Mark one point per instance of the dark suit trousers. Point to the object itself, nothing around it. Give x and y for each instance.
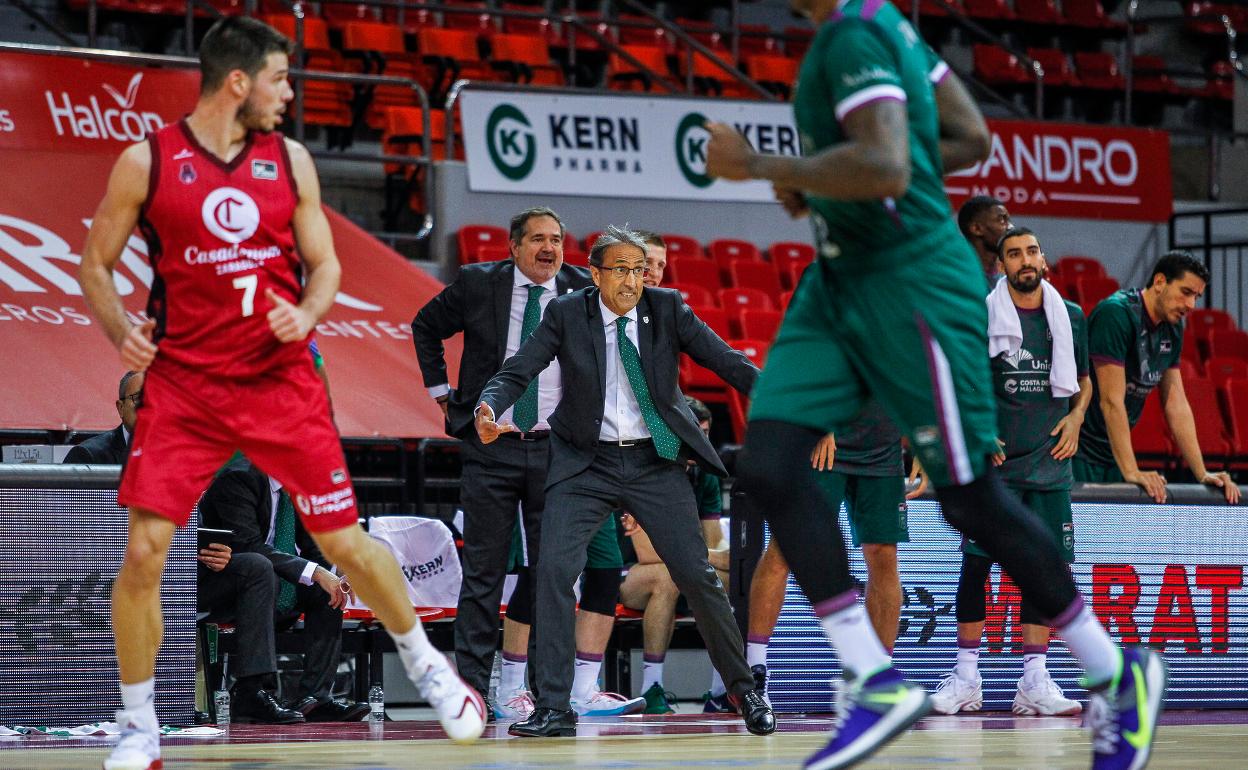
(322, 631)
(245, 593)
(660, 497)
(497, 480)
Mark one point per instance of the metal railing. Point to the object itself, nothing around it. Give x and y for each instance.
(1223, 256)
(1128, 51)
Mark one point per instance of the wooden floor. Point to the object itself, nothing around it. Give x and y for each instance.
(1189, 740)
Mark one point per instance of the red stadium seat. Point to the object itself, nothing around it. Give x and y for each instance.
(1202, 321)
(1089, 290)
(1231, 343)
(1072, 268)
(1222, 368)
(774, 72)
(524, 59)
(756, 275)
(797, 41)
(732, 249)
(715, 318)
(324, 103)
(590, 239)
(1037, 11)
(378, 49)
(1087, 13)
(1190, 369)
(784, 252)
(730, 299)
(695, 294)
(492, 254)
(623, 75)
(414, 19)
(1210, 428)
(759, 324)
(757, 40)
(1234, 400)
(472, 237)
(681, 246)
(755, 350)
(701, 272)
(474, 17)
(993, 64)
(1150, 75)
(1099, 70)
(1150, 437)
(1057, 68)
(988, 9)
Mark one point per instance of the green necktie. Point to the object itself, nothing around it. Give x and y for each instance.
(666, 442)
(524, 413)
(284, 541)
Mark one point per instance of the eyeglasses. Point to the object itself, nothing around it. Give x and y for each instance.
(135, 399)
(621, 272)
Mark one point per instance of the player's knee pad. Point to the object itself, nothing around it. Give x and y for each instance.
(520, 605)
(600, 590)
(1031, 616)
(971, 598)
(977, 508)
(772, 451)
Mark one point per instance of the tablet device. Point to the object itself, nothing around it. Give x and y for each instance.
(206, 535)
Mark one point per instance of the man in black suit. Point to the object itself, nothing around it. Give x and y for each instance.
(620, 438)
(260, 580)
(111, 448)
(495, 305)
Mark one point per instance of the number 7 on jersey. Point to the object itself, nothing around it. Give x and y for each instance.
(248, 284)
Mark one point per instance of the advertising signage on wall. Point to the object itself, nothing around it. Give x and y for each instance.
(641, 147)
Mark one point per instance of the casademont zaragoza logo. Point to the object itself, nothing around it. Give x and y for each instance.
(511, 142)
(691, 140)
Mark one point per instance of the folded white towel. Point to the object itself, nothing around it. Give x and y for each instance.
(1005, 334)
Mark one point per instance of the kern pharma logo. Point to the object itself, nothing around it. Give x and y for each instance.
(691, 140)
(511, 142)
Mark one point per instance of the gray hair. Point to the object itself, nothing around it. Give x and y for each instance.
(520, 222)
(615, 236)
(125, 379)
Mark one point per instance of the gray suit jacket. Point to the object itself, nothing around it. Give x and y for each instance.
(477, 303)
(572, 331)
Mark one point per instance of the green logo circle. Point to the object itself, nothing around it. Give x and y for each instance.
(691, 140)
(502, 138)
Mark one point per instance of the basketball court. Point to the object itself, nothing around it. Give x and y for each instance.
(1191, 740)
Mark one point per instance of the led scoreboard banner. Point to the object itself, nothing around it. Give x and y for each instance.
(62, 537)
(1170, 576)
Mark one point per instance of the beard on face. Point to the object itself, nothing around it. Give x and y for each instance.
(250, 117)
(1027, 284)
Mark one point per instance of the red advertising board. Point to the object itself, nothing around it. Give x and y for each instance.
(1068, 170)
(62, 123)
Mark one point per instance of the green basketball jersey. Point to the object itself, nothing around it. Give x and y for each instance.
(867, 52)
(869, 446)
(1026, 409)
(1121, 332)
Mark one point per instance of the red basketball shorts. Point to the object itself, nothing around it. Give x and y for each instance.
(191, 423)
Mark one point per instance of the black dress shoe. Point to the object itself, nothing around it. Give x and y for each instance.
(336, 710)
(261, 708)
(489, 709)
(546, 723)
(757, 713)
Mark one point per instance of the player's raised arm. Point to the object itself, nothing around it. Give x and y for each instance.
(873, 163)
(114, 220)
(316, 245)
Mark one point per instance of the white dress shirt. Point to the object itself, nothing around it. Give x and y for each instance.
(550, 381)
(275, 497)
(621, 414)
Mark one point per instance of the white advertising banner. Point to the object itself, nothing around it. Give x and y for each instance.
(612, 146)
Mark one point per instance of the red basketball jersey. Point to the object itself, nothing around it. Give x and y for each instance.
(219, 234)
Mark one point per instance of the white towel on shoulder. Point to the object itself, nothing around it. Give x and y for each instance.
(1005, 334)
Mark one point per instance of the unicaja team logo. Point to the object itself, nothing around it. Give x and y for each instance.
(511, 142)
(691, 140)
(230, 214)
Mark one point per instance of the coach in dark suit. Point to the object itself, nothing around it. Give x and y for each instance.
(269, 573)
(112, 448)
(496, 305)
(620, 438)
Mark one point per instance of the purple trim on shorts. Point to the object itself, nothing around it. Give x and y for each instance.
(1035, 649)
(588, 657)
(710, 516)
(968, 644)
(938, 400)
(836, 603)
(870, 8)
(758, 638)
(1098, 358)
(651, 657)
(1069, 614)
(514, 658)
